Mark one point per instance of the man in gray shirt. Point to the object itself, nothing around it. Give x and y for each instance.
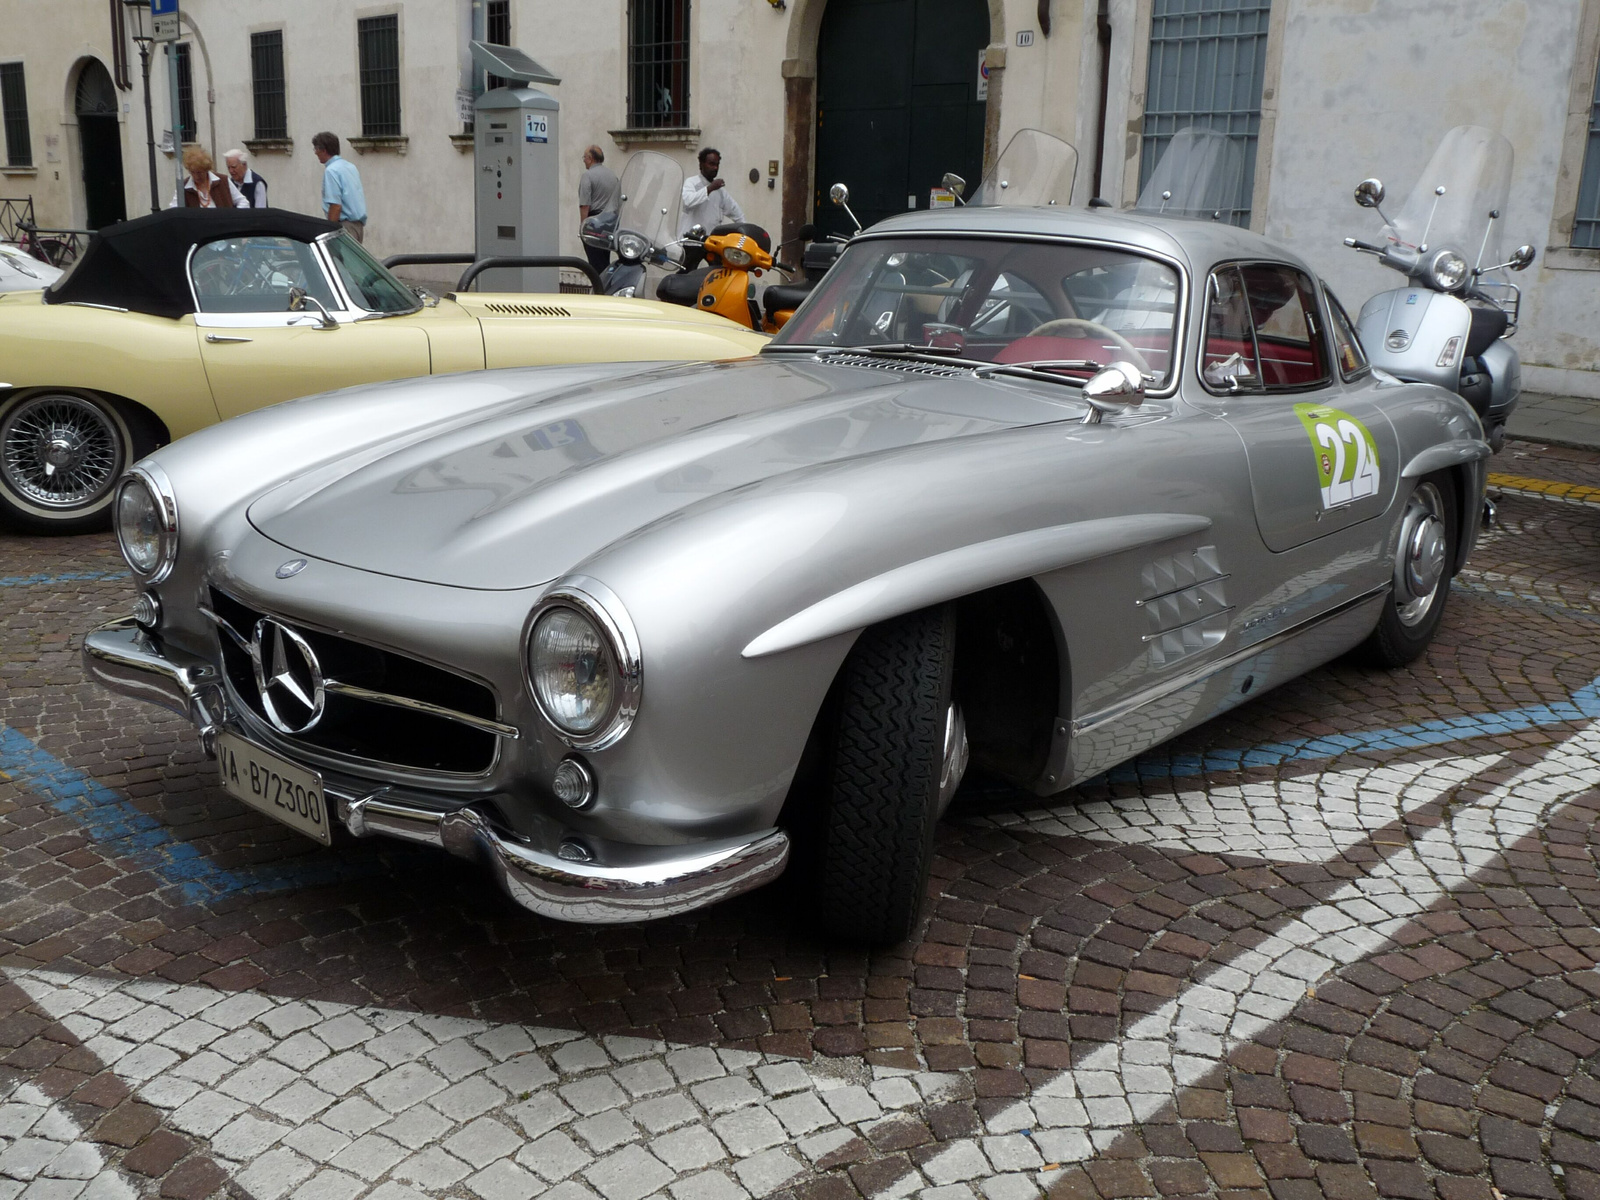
(598, 192)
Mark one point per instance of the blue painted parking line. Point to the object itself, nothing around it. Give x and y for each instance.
(67, 577)
(120, 829)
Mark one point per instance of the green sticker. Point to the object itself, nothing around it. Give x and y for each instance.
(1346, 456)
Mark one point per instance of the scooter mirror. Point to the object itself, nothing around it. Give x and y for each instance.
(1521, 258)
(952, 182)
(697, 231)
(839, 194)
(1370, 193)
(806, 232)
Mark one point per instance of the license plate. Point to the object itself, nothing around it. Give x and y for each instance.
(274, 785)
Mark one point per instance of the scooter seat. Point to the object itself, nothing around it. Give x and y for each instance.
(683, 288)
(781, 297)
(1488, 323)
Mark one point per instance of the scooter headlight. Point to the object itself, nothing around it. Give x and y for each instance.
(626, 293)
(631, 247)
(1447, 271)
(735, 257)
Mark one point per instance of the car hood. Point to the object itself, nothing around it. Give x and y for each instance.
(517, 495)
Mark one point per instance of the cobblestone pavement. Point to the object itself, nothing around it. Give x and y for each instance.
(1342, 942)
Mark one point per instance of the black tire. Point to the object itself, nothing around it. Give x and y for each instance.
(1412, 614)
(880, 806)
(97, 439)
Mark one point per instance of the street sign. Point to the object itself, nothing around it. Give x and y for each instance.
(164, 20)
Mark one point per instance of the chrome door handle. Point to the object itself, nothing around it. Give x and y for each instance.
(224, 337)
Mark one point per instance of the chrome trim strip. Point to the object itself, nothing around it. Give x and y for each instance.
(482, 724)
(1186, 587)
(90, 304)
(617, 884)
(1203, 671)
(1150, 637)
(221, 623)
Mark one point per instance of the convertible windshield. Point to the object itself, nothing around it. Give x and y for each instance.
(1065, 306)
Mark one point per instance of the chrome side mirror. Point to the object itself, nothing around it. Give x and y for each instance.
(840, 195)
(1370, 193)
(1112, 389)
(1521, 258)
(951, 182)
(298, 300)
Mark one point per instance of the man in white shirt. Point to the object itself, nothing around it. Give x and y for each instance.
(706, 201)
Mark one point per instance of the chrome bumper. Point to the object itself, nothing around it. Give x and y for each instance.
(583, 881)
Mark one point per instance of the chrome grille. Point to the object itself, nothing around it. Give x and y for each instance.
(379, 707)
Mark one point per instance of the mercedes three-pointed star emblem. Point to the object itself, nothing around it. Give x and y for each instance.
(288, 677)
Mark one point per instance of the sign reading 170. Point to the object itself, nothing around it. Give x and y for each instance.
(164, 20)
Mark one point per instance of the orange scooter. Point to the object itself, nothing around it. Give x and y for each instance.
(737, 255)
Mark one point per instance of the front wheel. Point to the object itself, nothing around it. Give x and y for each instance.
(1423, 557)
(898, 749)
(61, 454)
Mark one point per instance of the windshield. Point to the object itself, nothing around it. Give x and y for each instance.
(1472, 168)
(652, 193)
(367, 280)
(1199, 174)
(1034, 169)
(1072, 305)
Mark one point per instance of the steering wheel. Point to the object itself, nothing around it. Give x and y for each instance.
(1077, 327)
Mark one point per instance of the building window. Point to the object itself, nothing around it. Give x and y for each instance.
(266, 80)
(378, 39)
(190, 132)
(1586, 228)
(14, 104)
(1207, 60)
(658, 64)
(497, 32)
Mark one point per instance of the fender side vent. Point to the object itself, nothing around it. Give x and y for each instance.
(525, 310)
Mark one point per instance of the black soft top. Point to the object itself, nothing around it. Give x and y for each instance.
(139, 264)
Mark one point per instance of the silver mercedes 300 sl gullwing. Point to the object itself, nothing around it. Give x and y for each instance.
(1039, 486)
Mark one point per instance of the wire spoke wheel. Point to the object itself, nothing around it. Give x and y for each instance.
(60, 452)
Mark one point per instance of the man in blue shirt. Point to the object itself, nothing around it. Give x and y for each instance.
(343, 201)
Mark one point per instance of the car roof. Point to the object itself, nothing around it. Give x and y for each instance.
(141, 265)
(1198, 243)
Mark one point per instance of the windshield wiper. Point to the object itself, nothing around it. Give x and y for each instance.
(1043, 368)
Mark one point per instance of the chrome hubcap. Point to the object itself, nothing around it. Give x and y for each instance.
(954, 765)
(1420, 558)
(59, 451)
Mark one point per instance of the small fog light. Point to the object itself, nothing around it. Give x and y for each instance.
(573, 783)
(146, 611)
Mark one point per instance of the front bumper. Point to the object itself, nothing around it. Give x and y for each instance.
(579, 880)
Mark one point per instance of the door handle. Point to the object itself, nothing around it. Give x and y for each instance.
(225, 337)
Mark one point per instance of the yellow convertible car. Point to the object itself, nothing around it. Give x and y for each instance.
(175, 321)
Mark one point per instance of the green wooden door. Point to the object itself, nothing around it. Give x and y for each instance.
(897, 102)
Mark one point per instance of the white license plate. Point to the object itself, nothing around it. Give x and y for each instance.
(274, 785)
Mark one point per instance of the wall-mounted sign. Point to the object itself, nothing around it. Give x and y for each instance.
(164, 20)
(1024, 37)
(983, 74)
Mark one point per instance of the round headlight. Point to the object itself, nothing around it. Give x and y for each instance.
(147, 525)
(735, 257)
(631, 247)
(583, 663)
(1447, 270)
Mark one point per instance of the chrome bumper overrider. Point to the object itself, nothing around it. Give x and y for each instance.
(578, 880)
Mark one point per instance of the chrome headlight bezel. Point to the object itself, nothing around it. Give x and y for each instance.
(631, 247)
(153, 480)
(1447, 270)
(599, 605)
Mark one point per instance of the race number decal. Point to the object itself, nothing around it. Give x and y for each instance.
(1346, 455)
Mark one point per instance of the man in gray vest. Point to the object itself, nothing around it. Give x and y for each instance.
(598, 192)
(247, 181)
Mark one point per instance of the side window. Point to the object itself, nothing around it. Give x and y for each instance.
(1346, 345)
(1283, 308)
(369, 284)
(255, 275)
(1229, 361)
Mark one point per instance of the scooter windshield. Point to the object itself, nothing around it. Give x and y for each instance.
(1034, 169)
(1199, 174)
(652, 194)
(1467, 179)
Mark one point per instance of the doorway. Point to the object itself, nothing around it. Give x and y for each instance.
(100, 146)
(898, 103)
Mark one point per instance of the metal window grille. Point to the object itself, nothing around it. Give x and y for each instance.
(190, 130)
(1207, 60)
(378, 40)
(1586, 229)
(658, 64)
(14, 102)
(266, 80)
(497, 32)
